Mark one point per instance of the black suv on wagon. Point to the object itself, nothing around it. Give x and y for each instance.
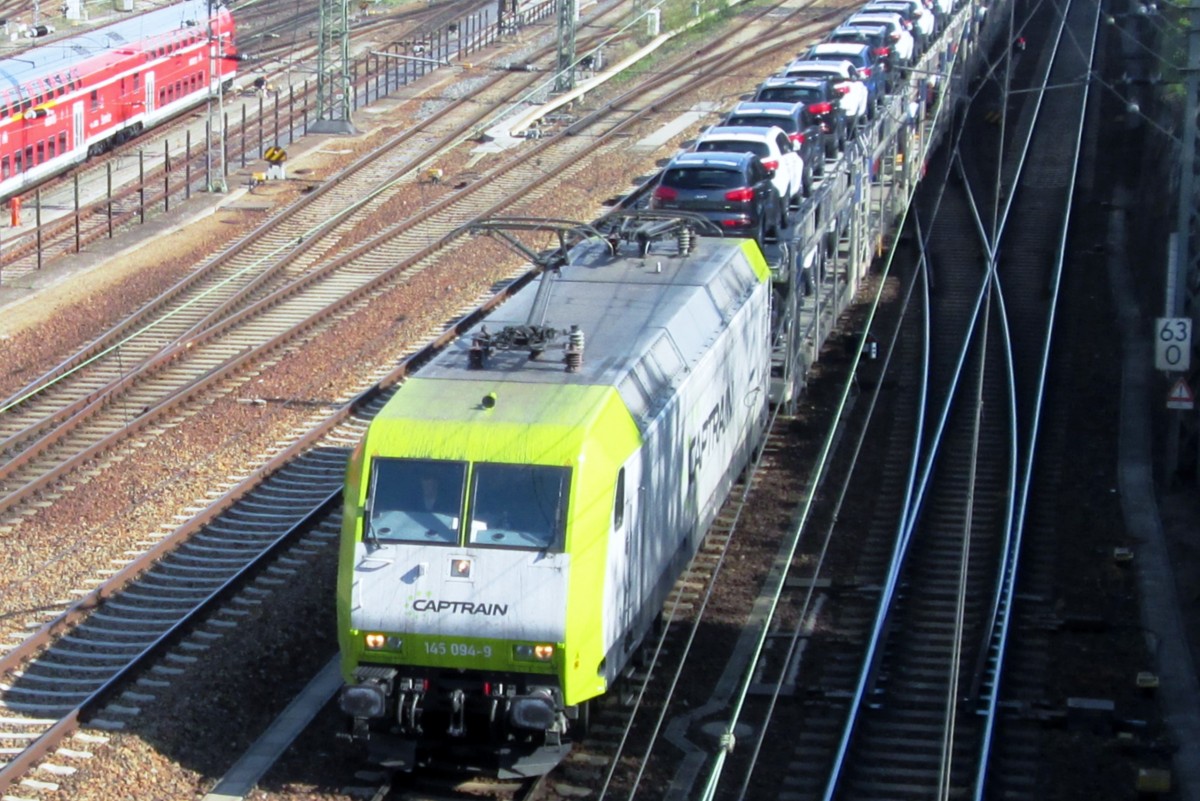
(822, 101)
(734, 190)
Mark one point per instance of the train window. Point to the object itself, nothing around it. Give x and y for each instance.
(519, 506)
(95, 99)
(50, 147)
(29, 157)
(62, 141)
(415, 500)
(137, 81)
(17, 162)
(5, 169)
(41, 152)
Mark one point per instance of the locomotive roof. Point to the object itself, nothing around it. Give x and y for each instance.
(645, 321)
(57, 56)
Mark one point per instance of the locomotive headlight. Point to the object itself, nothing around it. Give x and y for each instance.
(460, 568)
(376, 641)
(542, 652)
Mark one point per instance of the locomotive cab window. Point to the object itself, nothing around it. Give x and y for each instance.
(415, 500)
(519, 506)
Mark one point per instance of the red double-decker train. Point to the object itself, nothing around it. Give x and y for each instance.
(72, 98)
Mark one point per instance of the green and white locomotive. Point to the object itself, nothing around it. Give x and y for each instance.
(518, 512)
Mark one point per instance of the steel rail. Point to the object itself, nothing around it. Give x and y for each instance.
(919, 278)
(992, 273)
(1002, 621)
(904, 533)
(68, 722)
(331, 207)
(139, 322)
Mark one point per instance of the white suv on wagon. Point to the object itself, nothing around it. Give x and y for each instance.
(773, 147)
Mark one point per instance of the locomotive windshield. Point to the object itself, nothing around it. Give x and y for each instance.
(512, 506)
(523, 506)
(415, 501)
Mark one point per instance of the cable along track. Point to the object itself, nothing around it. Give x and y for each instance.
(924, 707)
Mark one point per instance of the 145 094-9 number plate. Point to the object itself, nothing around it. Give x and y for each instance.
(458, 649)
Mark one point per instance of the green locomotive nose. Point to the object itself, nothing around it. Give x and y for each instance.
(518, 510)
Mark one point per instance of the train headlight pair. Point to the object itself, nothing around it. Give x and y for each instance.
(376, 641)
(541, 652)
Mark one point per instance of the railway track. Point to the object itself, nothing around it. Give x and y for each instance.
(916, 712)
(147, 175)
(290, 255)
(268, 536)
